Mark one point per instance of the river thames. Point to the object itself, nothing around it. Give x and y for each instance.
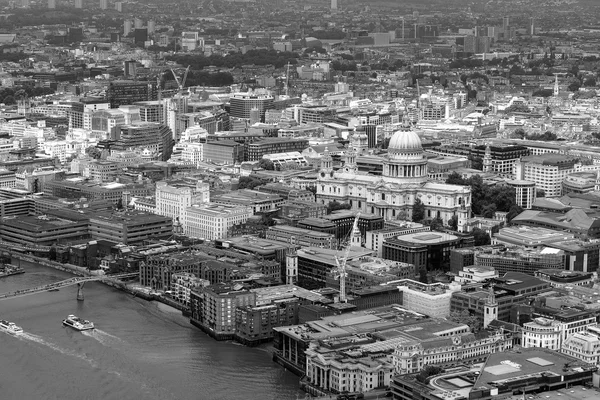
(139, 350)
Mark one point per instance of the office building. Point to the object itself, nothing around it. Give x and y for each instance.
(151, 140)
(103, 4)
(173, 200)
(301, 237)
(130, 227)
(426, 250)
(429, 299)
(211, 221)
(241, 105)
(510, 289)
(51, 4)
(78, 3)
(122, 93)
(547, 171)
(258, 149)
(315, 264)
(226, 152)
(527, 261)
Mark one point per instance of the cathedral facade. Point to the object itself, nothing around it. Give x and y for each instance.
(393, 194)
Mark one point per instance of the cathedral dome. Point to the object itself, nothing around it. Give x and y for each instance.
(405, 142)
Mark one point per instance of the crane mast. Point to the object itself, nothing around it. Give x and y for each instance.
(341, 262)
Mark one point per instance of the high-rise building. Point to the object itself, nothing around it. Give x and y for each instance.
(103, 4)
(138, 23)
(126, 27)
(51, 3)
(151, 26)
(334, 4)
(78, 3)
(129, 68)
(140, 35)
(505, 24)
(119, 6)
(532, 26)
(25, 3)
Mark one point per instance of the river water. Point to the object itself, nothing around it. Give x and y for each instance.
(139, 350)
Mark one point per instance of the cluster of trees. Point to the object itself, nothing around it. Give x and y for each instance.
(13, 57)
(544, 137)
(522, 108)
(236, 60)
(336, 205)
(42, 16)
(474, 76)
(329, 35)
(466, 63)
(430, 370)
(543, 93)
(267, 164)
(486, 200)
(247, 182)
(465, 317)
(204, 78)
(10, 96)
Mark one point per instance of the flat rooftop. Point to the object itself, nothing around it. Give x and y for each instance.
(528, 362)
(427, 237)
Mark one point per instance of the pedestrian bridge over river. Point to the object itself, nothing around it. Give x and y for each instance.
(79, 281)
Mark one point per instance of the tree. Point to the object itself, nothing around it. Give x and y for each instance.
(52, 254)
(521, 108)
(266, 164)
(336, 205)
(540, 193)
(481, 237)
(246, 182)
(513, 212)
(453, 223)
(418, 211)
(9, 100)
(455, 179)
(489, 210)
(423, 276)
(119, 204)
(574, 87)
(465, 317)
(519, 133)
(428, 371)
(589, 82)
(436, 224)
(93, 152)
(543, 93)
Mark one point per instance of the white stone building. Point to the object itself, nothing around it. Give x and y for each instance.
(212, 221)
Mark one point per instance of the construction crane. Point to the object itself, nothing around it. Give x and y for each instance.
(341, 273)
(181, 85)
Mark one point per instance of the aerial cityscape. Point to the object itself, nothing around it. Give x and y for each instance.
(318, 199)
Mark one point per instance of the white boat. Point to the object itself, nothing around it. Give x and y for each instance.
(10, 327)
(78, 323)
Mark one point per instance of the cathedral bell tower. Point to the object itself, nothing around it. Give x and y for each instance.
(350, 161)
(326, 165)
(487, 160)
(490, 309)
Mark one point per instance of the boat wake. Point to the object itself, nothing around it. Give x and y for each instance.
(40, 340)
(103, 337)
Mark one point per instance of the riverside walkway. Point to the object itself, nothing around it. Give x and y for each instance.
(68, 282)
